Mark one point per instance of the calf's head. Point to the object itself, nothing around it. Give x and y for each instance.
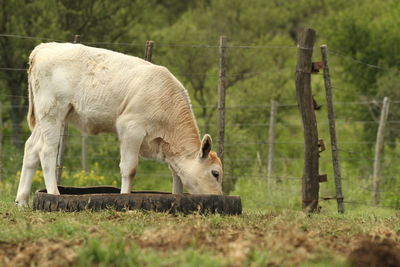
(203, 174)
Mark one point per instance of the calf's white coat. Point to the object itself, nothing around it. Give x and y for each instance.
(98, 91)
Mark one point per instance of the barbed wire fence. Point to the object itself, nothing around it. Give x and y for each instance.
(281, 163)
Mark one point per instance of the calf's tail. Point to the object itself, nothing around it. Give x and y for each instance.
(31, 113)
(31, 110)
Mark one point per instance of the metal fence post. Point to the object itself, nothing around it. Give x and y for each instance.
(332, 130)
(271, 140)
(376, 176)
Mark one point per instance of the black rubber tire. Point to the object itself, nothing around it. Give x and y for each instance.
(107, 197)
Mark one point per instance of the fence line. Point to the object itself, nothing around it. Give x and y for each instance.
(29, 37)
(230, 159)
(243, 159)
(260, 177)
(13, 69)
(340, 54)
(261, 105)
(333, 52)
(249, 106)
(228, 144)
(156, 44)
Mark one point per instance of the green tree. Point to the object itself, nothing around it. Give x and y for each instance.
(98, 22)
(256, 74)
(366, 40)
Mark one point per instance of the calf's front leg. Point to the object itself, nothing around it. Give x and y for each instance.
(177, 186)
(131, 138)
(51, 134)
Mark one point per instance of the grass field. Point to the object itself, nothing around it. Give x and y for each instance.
(256, 238)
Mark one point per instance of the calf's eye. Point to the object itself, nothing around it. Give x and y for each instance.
(215, 174)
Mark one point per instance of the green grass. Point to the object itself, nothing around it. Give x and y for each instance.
(272, 230)
(135, 238)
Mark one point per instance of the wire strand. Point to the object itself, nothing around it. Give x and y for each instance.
(30, 37)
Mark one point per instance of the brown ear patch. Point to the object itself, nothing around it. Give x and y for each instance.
(214, 158)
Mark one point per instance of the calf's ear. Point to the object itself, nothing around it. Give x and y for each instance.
(206, 144)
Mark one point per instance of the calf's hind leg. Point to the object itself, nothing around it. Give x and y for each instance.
(29, 164)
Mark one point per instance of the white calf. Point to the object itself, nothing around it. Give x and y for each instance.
(98, 90)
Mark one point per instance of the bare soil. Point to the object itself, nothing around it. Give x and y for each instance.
(290, 246)
(376, 253)
(43, 252)
(288, 239)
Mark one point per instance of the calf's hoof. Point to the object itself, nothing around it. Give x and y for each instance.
(22, 204)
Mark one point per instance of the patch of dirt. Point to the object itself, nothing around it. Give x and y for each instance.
(7, 216)
(289, 244)
(235, 244)
(39, 253)
(376, 253)
(269, 241)
(294, 245)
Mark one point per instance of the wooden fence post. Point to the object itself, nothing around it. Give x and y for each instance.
(271, 140)
(310, 185)
(148, 50)
(332, 130)
(376, 179)
(62, 141)
(77, 39)
(221, 97)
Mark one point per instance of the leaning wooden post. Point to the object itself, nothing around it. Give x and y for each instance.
(271, 140)
(62, 143)
(148, 50)
(378, 151)
(332, 130)
(310, 185)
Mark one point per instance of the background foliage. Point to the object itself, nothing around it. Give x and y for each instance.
(261, 58)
